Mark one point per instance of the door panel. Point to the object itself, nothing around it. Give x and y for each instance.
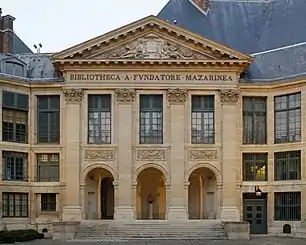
(255, 212)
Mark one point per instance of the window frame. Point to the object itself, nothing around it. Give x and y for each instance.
(256, 157)
(278, 160)
(15, 109)
(49, 163)
(154, 137)
(204, 140)
(255, 114)
(47, 204)
(14, 155)
(286, 213)
(281, 140)
(7, 209)
(106, 98)
(50, 112)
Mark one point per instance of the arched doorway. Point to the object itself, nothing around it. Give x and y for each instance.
(99, 194)
(202, 194)
(151, 194)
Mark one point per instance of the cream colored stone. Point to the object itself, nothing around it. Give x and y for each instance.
(184, 179)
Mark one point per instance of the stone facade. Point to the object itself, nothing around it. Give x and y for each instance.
(173, 179)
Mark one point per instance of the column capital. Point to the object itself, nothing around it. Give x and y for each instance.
(73, 96)
(125, 95)
(229, 95)
(177, 95)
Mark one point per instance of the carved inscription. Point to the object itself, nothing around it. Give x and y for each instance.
(125, 95)
(202, 155)
(229, 95)
(177, 95)
(151, 155)
(106, 155)
(152, 47)
(73, 96)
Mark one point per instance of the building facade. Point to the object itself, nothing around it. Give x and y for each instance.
(150, 121)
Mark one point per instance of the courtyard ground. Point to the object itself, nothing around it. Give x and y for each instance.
(254, 241)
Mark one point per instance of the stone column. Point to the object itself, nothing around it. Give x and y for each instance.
(124, 207)
(72, 202)
(186, 193)
(230, 159)
(177, 98)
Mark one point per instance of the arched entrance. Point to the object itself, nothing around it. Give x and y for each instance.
(203, 194)
(99, 194)
(151, 194)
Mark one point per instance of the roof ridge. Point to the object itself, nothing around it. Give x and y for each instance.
(279, 49)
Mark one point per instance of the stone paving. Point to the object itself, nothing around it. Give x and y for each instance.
(254, 241)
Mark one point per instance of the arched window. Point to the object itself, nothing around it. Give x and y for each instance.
(13, 68)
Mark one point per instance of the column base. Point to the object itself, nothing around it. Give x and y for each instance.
(177, 213)
(124, 213)
(72, 213)
(230, 213)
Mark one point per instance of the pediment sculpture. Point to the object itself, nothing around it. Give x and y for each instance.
(152, 48)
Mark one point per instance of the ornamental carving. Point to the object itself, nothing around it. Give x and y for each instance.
(151, 155)
(106, 155)
(125, 95)
(177, 95)
(152, 47)
(73, 96)
(202, 155)
(229, 95)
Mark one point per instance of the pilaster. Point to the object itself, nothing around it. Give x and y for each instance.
(230, 113)
(177, 206)
(124, 206)
(72, 204)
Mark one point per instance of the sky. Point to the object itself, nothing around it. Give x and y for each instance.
(60, 24)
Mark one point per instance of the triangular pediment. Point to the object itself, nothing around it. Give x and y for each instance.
(150, 39)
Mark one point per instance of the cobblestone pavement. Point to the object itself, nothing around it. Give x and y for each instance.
(254, 241)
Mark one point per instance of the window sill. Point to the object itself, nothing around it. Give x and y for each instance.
(48, 213)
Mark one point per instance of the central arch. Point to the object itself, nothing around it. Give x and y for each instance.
(151, 194)
(99, 193)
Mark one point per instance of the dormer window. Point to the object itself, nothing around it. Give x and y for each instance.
(13, 68)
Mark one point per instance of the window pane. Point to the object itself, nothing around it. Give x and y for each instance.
(151, 119)
(254, 120)
(15, 166)
(202, 120)
(287, 165)
(255, 166)
(287, 206)
(99, 119)
(288, 118)
(48, 167)
(48, 202)
(15, 204)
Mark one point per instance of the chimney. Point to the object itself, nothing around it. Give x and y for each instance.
(203, 4)
(6, 33)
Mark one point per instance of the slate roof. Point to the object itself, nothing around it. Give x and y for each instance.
(19, 47)
(251, 27)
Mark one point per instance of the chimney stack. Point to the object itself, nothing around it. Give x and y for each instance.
(6, 33)
(203, 4)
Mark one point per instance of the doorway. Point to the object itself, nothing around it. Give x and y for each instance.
(255, 212)
(107, 199)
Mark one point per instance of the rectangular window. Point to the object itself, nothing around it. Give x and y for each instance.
(14, 166)
(48, 118)
(287, 206)
(151, 119)
(287, 118)
(203, 120)
(48, 169)
(14, 204)
(255, 166)
(287, 165)
(99, 119)
(48, 202)
(15, 108)
(254, 120)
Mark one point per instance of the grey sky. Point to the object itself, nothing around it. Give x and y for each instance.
(59, 24)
